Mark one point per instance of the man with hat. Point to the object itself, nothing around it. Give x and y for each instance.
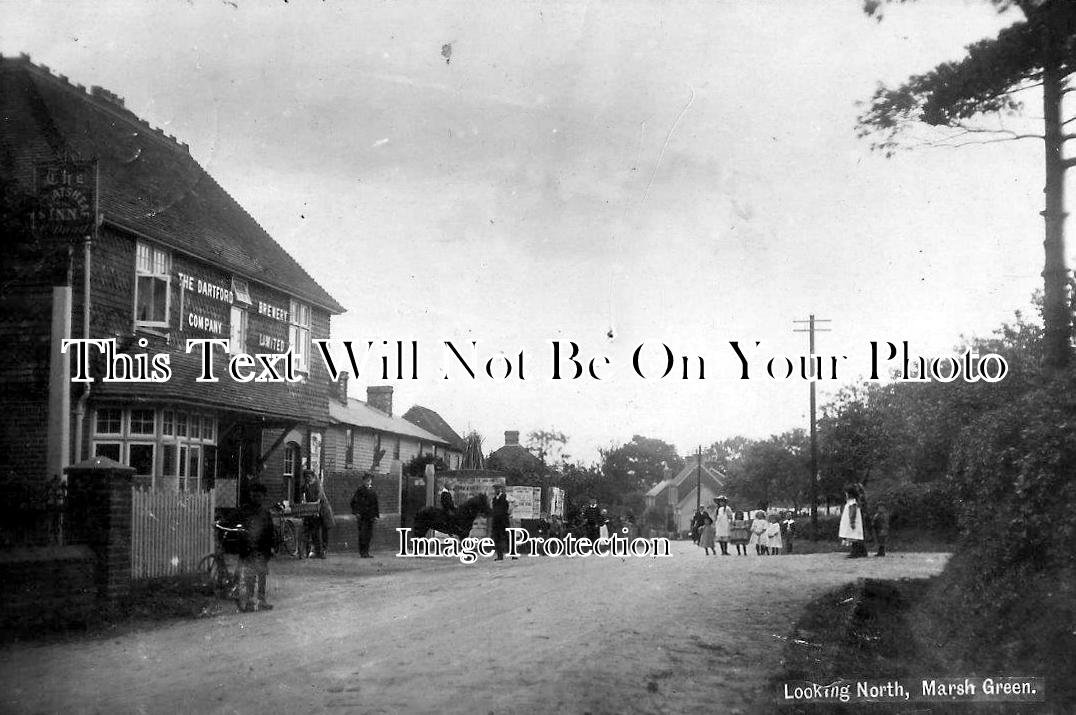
(722, 523)
(365, 508)
(500, 521)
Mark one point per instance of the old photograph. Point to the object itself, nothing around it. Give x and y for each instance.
(525, 357)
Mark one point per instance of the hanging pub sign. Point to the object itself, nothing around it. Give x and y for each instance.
(67, 197)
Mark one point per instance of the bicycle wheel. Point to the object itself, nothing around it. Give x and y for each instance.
(289, 539)
(214, 573)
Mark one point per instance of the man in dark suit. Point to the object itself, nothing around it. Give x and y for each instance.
(500, 510)
(592, 518)
(364, 507)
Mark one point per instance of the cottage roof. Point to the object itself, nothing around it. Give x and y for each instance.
(686, 479)
(430, 421)
(149, 183)
(359, 414)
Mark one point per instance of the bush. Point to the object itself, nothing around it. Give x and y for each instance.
(929, 507)
(1013, 481)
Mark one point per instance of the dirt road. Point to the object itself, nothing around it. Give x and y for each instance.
(689, 633)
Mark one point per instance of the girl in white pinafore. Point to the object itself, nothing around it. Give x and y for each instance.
(722, 523)
(773, 535)
(758, 534)
(852, 525)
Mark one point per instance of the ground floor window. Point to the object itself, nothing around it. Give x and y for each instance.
(171, 448)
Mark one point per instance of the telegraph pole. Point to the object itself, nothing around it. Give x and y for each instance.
(698, 482)
(810, 329)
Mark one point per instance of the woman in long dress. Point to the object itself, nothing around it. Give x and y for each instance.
(852, 524)
(706, 535)
(723, 524)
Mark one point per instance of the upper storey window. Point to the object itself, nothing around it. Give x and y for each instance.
(299, 334)
(153, 269)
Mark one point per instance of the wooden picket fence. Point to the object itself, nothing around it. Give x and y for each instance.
(170, 532)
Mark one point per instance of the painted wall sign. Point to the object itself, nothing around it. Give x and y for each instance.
(207, 288)
(277, 345)
(202, 322)
(67, 191)
(271, 311)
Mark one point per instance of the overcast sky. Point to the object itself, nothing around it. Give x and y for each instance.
(683, 173)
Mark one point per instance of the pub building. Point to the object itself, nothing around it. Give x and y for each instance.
(130, 240)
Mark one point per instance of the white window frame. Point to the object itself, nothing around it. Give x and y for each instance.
(299, 334)
(129, 415)
(153, 263)
(97, 421)
(141, 443)
(238, 329)
(109, 443)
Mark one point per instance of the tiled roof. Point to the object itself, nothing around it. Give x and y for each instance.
(149, 183)
(430, 421)
(515, 456)
(359, 414)
(715, 480)
(285, 402)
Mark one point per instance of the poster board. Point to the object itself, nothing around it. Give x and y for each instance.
(556, 502)
(526, 502)
(463, 488)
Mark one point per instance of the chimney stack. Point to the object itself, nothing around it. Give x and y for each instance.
(380, 398)
(511, 438)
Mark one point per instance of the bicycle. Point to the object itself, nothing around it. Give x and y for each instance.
(214, 567)
(287, 537)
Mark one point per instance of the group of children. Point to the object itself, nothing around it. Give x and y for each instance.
(743, 529)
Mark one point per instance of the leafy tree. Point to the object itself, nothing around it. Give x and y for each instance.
(723, 454)
(641, 463)
(771, 471)
(855, 438)
(1038, 51)
(548, 445)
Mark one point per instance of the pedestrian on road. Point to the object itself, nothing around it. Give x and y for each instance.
(316, 527)
(592, 518)
(740, 531)
(255, 550)
(500, 512)
(364, 507)
(851, 530)
(788, 531)
(722, 523)
(773, 535)
(696, 524)
(603, 529)
(880, 527)
(706, 535)
(758, 533)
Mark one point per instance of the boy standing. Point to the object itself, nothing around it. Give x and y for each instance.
(255, 550)
(880, 526)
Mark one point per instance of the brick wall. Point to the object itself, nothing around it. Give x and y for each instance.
(99, 515)
(339, 487)
(46, 586)
(25, 324)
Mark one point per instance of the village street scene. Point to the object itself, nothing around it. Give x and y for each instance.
(515, 358)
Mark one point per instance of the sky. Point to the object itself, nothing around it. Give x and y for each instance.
(612, 174)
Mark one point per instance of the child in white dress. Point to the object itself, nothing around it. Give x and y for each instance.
(758, 534)
(773, 535)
